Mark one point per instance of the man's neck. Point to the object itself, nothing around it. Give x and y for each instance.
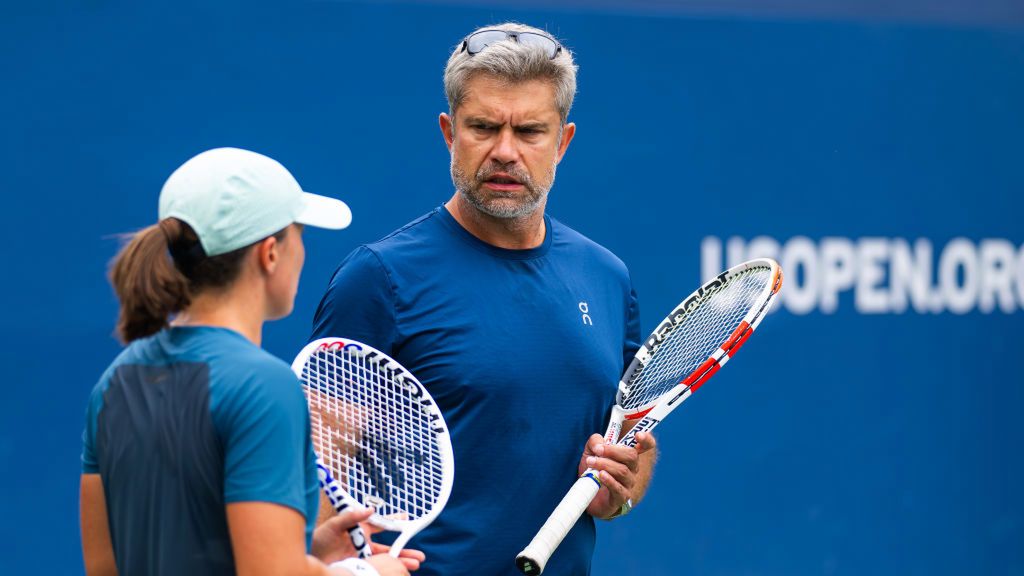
(511, 233)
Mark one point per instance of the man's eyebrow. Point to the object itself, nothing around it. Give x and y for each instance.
(535, 125)
(479, 120)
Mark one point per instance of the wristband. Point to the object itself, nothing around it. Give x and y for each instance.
(357, 566)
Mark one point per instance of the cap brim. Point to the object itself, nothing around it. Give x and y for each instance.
(324, 212)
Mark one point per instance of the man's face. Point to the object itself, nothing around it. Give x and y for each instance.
(506, 140)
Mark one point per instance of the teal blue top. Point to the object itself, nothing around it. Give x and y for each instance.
(180, 425)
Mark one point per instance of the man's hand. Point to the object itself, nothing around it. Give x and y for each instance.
(331, 543)
(624, 472)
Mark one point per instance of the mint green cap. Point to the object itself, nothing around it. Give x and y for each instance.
(233, 198)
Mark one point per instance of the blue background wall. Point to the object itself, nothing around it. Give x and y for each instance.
(840, 442)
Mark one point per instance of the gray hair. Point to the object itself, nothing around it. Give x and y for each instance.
(512, 62)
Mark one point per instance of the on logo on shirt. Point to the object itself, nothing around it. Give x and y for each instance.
(585, 309)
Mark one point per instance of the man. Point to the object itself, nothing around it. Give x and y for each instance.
(518, 325)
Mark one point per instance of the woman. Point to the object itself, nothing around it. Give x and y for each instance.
(197, 458)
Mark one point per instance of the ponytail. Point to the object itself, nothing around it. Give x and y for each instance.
(161, 269)
(147, 282)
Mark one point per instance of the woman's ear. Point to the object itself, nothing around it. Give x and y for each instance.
(268, 255)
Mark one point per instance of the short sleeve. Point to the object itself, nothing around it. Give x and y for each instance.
(632, 341)
(359, 303)
(90, 464)
(265, 438)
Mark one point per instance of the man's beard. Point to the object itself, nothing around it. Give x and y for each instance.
(500, 204)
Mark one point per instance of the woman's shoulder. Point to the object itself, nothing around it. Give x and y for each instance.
(236, 365)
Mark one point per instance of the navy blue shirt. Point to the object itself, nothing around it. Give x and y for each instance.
(180, 425)
(522, 349)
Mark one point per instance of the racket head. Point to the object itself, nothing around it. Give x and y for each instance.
(378, 432)
(699, 335)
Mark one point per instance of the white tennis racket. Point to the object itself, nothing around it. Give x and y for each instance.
(380, 439)
(687, 348)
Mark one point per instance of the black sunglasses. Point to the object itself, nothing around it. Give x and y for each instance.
(478, 41)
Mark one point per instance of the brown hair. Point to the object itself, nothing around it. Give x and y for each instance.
(159, 271)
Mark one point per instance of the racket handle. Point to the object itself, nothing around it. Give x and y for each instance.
(343, 502)
(532, 559)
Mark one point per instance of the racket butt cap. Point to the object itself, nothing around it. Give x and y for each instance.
(528, 566)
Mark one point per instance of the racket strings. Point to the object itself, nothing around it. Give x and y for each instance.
(696, 337)
(373, 435)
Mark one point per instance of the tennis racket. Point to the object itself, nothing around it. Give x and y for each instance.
(687, 348)
(380, 438)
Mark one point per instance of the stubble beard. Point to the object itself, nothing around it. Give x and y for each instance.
(498, 204)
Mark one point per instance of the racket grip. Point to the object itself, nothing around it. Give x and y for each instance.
(533, 558)
(359, 541)
(342, 502)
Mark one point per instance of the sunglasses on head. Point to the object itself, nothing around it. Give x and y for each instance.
(478, 41)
